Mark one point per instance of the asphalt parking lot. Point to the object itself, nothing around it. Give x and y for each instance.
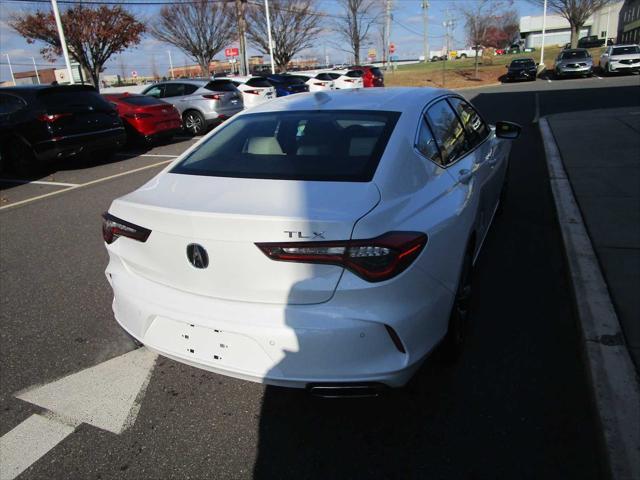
(516, 406)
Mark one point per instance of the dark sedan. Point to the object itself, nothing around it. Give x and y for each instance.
(287, 84)
(43, 123)
(522, 69)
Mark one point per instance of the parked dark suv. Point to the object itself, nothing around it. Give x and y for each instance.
(43, 123)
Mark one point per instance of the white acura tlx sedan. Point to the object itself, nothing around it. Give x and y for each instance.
(322, 240)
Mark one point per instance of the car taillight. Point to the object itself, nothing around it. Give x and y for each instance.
(213, 97)
(253, 92)
(319, 84)
(52, 118)
(349, 80)
(114, 227)
(374, 260)
(137, 115)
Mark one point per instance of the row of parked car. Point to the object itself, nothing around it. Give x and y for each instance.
(43, 123)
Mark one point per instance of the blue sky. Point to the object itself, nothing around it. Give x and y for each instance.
(406, 34)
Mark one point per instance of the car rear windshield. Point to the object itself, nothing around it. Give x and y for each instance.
(354, 73)
(324, 76)
(141, 100)
(572, 55)
(258, 82)
(221, 86)
(630, 50)
(332, 145)
(71, 100)
(376, 71)
(292, 80)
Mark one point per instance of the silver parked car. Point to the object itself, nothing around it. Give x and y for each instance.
(576, 61)
(201, 103)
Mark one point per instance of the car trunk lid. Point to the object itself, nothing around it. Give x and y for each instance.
(227, 216)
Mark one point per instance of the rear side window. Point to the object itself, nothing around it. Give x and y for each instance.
(10, 104)
(448, 132)
(293, 81)
(473, 124)
(66, 100)
(190, 88)
(258, 82)
(426, 144)
(173, 90)
(338, 145)
(221, 86)
(141, 100)
(354, 74)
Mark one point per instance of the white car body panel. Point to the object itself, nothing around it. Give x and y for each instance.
(295, 324)
(259, 94)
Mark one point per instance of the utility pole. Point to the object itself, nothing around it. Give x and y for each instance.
(63, 41)
(266, 8)
(606, 38)
(170, 65)
(544, 27)
(13, 79)
(447, 24)
(388, 33)
(425, 21)
(242, 27)
(35, 67)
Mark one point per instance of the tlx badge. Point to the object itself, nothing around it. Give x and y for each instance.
(294, 234)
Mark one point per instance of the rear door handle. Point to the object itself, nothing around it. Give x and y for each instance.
(465, 175)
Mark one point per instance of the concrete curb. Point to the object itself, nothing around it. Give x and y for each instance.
(614, 381)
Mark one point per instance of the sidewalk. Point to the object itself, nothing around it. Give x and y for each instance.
(600, 150)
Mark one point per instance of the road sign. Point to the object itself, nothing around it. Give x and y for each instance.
(231, 52)
(392, 48)
(134, 74)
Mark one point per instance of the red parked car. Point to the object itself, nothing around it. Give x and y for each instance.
(145, 117)
(372, 76)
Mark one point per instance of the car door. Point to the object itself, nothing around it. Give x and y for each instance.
(490, 160)
(464, 163)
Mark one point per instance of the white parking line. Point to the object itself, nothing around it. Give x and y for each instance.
(38, 182)
(151, 155)
(92, 182)
(28, 442)
(599, 78)
(102, 396)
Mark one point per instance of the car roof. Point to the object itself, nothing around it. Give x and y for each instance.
(41, 88)
(569, 50)
(184, 80)
(399, 99)
(625, 45)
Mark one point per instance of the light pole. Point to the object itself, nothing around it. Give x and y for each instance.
(425, 21)
(35, 67)
(606, 38)
(544, 27)
(266, 8)
(170, 65)
(63, 41)
(13, 79)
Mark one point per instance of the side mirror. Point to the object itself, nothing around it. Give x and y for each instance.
(508, 130)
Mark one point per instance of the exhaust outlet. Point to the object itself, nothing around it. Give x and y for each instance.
(346, 390)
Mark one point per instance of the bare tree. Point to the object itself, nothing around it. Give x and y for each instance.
(354, 25)
(200, 28)
(294, 26)
(577, 12)
(478, 19)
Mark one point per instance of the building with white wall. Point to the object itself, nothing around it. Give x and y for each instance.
(558, 30)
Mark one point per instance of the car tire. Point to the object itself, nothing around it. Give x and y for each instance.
(194, 122)
(463, 56)
(459, 319)
(21, 159)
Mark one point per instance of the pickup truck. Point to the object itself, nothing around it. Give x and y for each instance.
(468, 52)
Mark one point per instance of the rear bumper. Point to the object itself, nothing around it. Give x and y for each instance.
(221, 114)
(71, 145)
(286, 345)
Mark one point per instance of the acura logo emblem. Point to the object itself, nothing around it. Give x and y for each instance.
(197, 255)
